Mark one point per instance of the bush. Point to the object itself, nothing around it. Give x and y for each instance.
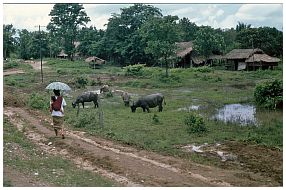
(80, 82)
(171, 79)
(38, 101)
(204, 69)
(195, 124)
(88, 120)
(269, 94)
(134, 70)
(10, 65)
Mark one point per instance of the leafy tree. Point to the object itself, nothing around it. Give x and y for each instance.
(188, 29)
(8, 40)
(29, 44)
(208, 41)
(124, 44)
(86, 37)
(65, 22)
(268, 39)
(24, 44)
(229, 36)
(53, 44)
(241, 26)
(161, 35)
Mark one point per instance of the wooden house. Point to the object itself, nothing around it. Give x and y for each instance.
(249, 59)
(188, 57)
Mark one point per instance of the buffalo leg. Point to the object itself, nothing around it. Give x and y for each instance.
(95, 104)
(160, 108)
(77, 110)
(82, 104)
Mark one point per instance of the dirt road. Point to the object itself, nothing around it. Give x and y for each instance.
(126, 165)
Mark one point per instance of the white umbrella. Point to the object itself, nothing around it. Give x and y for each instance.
(58, 86)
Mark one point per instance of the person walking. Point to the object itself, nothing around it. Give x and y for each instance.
(57, 104)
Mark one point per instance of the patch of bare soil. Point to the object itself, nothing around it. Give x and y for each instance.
(36, 64)
(127, 165)
(11, 97)
(12, 72)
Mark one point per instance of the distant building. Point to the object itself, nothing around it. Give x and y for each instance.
(95, 62)
(188, 57)
(62, 55)
(249, 59)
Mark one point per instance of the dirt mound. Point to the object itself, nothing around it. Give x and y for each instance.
(258, 159)
(12, 98)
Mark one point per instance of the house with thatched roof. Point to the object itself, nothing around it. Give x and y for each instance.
(249, 59)
(188, 57)
(62, 55)
(95, 62)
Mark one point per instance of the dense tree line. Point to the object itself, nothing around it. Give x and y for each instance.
(139, 34)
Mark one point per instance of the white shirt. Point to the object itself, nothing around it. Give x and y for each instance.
(59, 113)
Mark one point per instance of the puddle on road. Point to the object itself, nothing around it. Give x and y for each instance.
(237, 113)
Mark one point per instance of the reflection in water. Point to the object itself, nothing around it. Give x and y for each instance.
(237, 113)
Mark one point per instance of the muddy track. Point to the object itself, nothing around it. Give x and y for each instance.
(126, 165)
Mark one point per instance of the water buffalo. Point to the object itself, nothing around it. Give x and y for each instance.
(149, 101)
(126, 98)
(86, 97)
(104, 88)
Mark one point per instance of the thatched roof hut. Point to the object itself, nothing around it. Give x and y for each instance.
(94, 62)
(242, 53)
(184, 48)
(250, 59)
(262, 58)
(62, 54)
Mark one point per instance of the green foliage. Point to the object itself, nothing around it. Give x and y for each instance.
(195, 124)
(134, 70)
(204, 69)
(269, 94)
(66, 18)
(155, 119)
(171, 79)
(11, 64)
(8, 40)
(80, 82)
(87, 120)
(270, 40)
(38, 101)
(207, 41)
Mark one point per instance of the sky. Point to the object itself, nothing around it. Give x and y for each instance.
(28, 16)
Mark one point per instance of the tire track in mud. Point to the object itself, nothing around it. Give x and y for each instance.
(125, 167)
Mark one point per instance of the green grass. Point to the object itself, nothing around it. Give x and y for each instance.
(206, 87)
(34, 161)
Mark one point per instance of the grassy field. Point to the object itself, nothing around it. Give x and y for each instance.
(158, 131)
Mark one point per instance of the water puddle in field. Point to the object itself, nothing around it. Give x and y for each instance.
(242, 114)
(189, 108)
(237, 113)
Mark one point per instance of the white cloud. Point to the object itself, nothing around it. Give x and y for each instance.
(256, 15)
(182, 11)
(26, 16)
(258, 12)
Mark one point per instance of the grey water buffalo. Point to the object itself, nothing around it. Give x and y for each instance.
(86, 97)
(149, 101)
